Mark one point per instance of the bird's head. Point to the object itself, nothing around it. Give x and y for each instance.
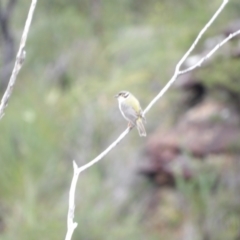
(122, 95)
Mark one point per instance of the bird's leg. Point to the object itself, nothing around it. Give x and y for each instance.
(130, 125)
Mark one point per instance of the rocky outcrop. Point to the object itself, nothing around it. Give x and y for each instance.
(206, 126)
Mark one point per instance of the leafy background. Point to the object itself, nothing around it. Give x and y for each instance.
(79, 55)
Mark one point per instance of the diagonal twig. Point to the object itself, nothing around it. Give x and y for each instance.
(177, 69)
(19, 60)
(201, 61)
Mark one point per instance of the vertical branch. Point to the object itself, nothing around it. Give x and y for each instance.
(19, 60)
(71, 225)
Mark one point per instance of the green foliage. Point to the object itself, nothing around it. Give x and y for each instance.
(79, 55)
(224, 74)
(211, 198)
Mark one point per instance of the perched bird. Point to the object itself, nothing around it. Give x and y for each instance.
(131, 111)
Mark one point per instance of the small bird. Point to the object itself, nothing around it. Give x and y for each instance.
(131, 111)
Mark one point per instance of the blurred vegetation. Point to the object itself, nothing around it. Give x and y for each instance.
(79, 55)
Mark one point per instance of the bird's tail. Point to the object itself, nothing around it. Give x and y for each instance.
(141, 128)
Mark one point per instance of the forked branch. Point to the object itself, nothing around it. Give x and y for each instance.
(177, 73)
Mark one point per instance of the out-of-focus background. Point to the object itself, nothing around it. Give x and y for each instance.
(182, 182)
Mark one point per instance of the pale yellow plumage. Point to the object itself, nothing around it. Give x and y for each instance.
(131, 111)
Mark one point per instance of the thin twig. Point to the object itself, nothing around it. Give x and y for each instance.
(176, 73)
(200, 62)
(19, 60)
(105, 152)
(77, 170)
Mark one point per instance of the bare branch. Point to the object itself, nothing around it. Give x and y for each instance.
(176, 73)
(19, 60)
(77, 170)
(71, 225)
(199, 64)
(106, 151)
(161, 93)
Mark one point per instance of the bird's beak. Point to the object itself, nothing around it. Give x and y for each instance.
(116, 96)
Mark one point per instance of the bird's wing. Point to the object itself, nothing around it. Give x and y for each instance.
(137, 105)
